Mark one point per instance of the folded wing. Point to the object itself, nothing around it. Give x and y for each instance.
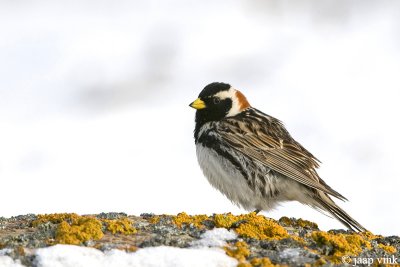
(265, 140)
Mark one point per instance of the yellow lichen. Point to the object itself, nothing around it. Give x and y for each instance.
(341, 244)
(370, 236)
(154, 219)
(72, 228)
(252, 225)
(121, 226)
(225, 220)
(298, 223)
(388, 249)
(131, 248)
(320, 262)
(297, 238)
(240, 251)
(84, 229)
(75, 229)
(20, 251)
(55, 218)
(285, 220)
(263, 262)
(126, 248)
(305, 223)
(185, 219)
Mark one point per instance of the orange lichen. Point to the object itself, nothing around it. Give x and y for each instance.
(131, 248)
(388, 249)
(298, 223)
(75, 233)
(370, 236)
(297, 238)
(20, 251)
(185, 219)
(320, 262)
(121, 226)
(126, 248)
(225, 220)
(251, 225)
(72, 228)
(240, 251)
(55, 218)
(263, 262)
(341, 244)
(75, 229)
(154, 219)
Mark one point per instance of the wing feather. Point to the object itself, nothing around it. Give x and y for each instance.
(277, 150)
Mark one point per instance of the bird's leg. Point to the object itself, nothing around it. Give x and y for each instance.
(256, 211)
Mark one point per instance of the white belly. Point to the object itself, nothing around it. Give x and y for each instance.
(226, 178)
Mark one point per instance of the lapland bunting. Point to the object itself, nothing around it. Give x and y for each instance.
(253, 160)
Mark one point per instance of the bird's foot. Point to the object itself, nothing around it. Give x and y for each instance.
(256, 211)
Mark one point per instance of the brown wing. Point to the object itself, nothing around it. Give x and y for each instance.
(265, 140)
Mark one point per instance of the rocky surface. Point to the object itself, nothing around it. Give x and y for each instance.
(259, 241)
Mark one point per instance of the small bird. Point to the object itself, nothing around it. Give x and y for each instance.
(253, 160)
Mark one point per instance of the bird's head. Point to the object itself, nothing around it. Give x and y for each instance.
(217, 101)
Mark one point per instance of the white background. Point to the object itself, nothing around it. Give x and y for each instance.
(94, 98)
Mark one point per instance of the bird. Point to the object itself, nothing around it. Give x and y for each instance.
(252, 159)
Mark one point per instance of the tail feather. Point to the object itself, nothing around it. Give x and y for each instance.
(327, 204)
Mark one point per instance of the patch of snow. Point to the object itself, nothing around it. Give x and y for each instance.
(290, 253)
(4, 251)
(65, 255)
(215, 238)
(6, 261)
(163, 256)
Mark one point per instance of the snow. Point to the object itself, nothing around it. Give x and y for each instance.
(290, 253)
(7, 261)
(207, 251)
(94, 100)
(4, 251)
(163, 256)
(215, 238)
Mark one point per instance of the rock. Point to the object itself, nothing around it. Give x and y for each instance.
(259, 241)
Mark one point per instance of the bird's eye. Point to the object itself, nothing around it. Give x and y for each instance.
(216, 100)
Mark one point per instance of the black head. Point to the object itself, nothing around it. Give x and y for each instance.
(214, 88)
(217, 101)
(209, 105)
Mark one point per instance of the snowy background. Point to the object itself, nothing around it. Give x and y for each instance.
(94, 98)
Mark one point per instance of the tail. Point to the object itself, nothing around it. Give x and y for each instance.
(324, 202)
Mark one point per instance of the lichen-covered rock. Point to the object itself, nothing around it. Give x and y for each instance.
(260, 241)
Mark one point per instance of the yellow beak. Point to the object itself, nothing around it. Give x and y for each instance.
(198, 104)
